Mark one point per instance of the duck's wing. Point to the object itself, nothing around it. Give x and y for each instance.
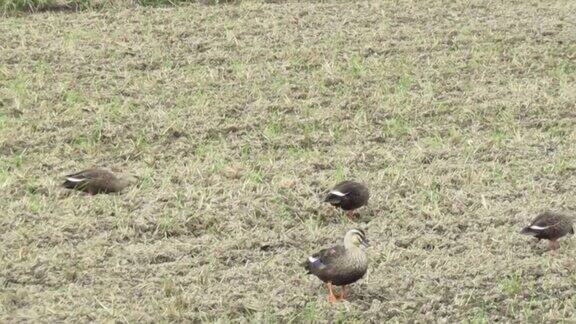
(348, 195)
(345, 187)
(340, 192)
(89, 174)
(335, 196)
(548, 224)
(84, 177)
(324, 259)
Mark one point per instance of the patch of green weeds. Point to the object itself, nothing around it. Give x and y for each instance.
(25, 5)
(166, 225)
(396, 127)
(481, 317)
(511, 285)
(356, 67)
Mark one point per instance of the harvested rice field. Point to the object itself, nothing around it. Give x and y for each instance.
(237, 119)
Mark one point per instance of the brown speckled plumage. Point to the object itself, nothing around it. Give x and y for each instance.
(95, 181)
(549, 226)
(348, 195)
(340, 265)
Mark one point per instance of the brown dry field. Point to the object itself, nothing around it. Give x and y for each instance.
(460, 117)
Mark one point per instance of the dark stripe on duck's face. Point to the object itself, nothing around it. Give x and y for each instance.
(362, 237)
(365, 242)
(361, 233)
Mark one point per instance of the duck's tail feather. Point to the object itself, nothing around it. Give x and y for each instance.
(333, 199)
(73, 181)
(528, 230)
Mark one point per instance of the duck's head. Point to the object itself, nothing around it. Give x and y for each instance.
(126, 180)
(132, 179)
(355, 238)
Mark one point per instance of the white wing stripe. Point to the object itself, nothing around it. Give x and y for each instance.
(337, 193)
(74, 179)
(538, 228)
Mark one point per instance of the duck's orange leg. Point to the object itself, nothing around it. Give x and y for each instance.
(554, 245)
(350, 215)
(343, 293)
(331, 297)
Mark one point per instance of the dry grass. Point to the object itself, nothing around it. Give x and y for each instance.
(20, 7)
(460, 117)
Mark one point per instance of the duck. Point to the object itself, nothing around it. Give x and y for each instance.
(349, 196)
(549, 226)
(340, 265)
(95, 181)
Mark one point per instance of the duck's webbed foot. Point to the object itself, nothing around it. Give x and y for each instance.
(350, 215)
(331, 297)
(343, 293)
